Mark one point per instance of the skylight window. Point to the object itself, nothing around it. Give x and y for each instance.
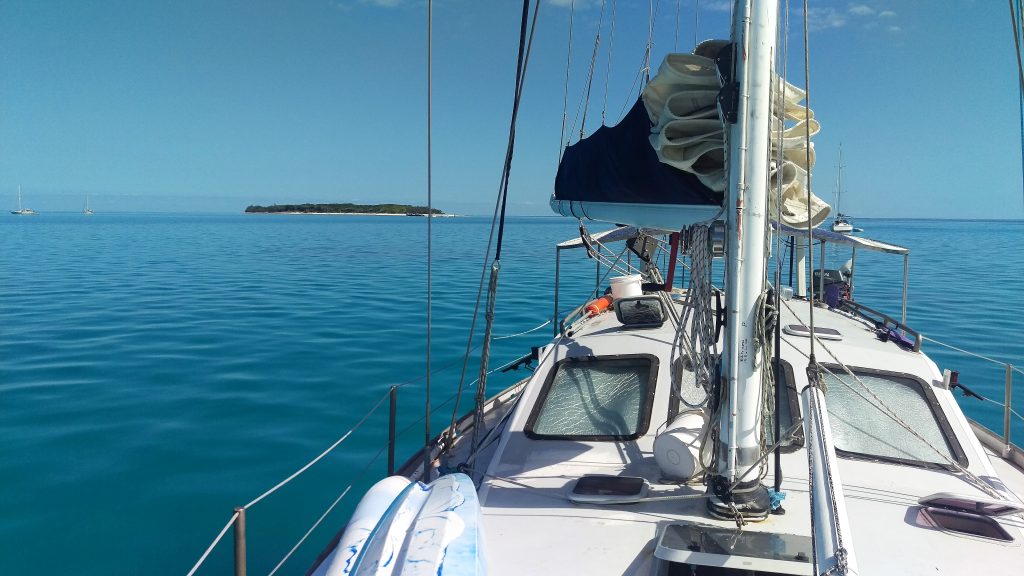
(596, 398)
(860, 427)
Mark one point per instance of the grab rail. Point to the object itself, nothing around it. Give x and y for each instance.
(1007, 404)
(883, 319)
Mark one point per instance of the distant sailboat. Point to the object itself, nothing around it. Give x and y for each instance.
(841, 223)
(22, 211)
(88, 211)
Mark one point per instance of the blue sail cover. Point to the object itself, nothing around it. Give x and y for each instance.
(618, 164)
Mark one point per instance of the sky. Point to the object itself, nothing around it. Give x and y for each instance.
(209, 106)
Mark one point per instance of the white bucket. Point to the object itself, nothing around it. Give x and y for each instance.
(626, 286)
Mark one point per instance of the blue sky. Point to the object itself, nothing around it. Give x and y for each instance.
(210, 106)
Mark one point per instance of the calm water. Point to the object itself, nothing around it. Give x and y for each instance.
(157, 370)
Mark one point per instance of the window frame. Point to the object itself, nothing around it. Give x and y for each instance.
(646, 404)
(957, 452)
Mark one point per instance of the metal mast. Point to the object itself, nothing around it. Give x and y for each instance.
(737, 488)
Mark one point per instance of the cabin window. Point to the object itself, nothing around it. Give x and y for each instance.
(596, 398)
(861, 429)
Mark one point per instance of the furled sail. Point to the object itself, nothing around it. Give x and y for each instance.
(617, 164)
(682, 104)
(669, 150)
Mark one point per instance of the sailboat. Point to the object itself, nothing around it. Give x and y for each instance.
(23, 211)
(841, 223)
(664, 431)
(88, 211)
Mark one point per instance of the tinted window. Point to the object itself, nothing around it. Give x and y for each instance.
(859, 426)
(604, 398)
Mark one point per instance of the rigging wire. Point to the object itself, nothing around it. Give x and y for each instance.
(1017, 23)
(807, 142)
(608, 70)
(696, 22)
(777, 368)
(525, 47)
(565, 93)
(430, 218)
(675, 45)
(650, 44)
(584, 105)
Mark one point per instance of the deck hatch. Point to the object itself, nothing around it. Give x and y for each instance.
(700, 545)
(971, 504)
(967, 523)
(605, 489)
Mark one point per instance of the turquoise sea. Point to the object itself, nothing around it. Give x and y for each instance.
(158, 370)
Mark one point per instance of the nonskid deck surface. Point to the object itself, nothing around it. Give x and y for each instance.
(531, 527)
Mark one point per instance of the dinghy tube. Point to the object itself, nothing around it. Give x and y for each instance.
(409, 528)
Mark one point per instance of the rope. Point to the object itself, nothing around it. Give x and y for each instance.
(326, 512)
(700, 344)
(318, 458)
(969, 353)
(213, 544)
(485, 355)
(522, 333)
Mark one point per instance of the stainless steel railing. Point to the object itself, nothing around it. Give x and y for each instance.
(1007, 405)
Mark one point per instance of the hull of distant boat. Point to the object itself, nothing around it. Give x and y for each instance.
(842, 226)
(88, 212)
(24, 212)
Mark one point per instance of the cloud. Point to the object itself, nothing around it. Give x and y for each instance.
(860, 10)
(382, 3)
(825, 19)
(717, 6)
(886, 14)
(895, 29)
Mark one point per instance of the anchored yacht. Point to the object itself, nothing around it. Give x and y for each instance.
(677, 424)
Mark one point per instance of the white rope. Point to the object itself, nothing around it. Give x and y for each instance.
(213, 544)
(318, 458)
(976, 355)
(522, 333)
(310, 531)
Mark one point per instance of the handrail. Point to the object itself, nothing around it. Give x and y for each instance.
(975, 354)
(1007, 404)
(865, 312)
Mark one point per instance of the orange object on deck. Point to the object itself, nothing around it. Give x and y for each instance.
(600, 305)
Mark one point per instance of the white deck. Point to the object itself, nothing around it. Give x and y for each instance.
(531, 528)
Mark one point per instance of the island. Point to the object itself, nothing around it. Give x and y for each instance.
(346, 208)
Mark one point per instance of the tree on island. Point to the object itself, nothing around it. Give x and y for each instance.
(345, 208)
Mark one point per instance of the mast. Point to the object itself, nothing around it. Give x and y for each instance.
(19, 197)
(736, 485)
(839, 184)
